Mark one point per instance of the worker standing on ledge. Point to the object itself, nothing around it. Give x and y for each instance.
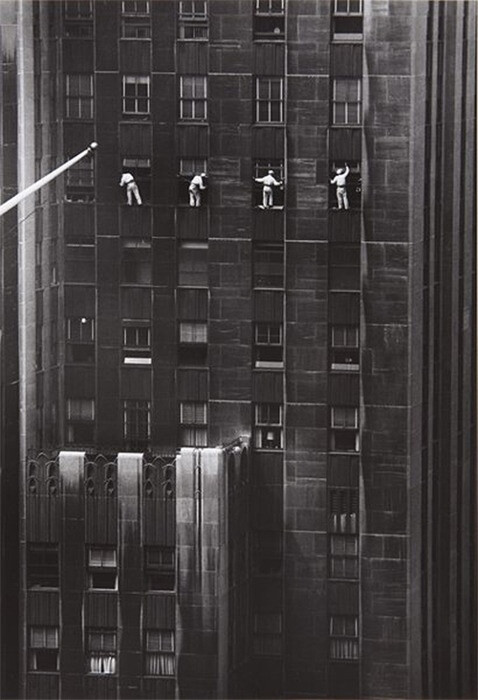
(340, 180)
(196, 185)
(268, 181)
(131, 188)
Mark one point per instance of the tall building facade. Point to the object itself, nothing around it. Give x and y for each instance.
(245, 430)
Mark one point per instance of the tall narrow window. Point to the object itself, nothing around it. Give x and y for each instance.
(159, 568)
(79, 96)
(347, 20)
(192, 348)
(101, 651)
(137, 264)
(42, 566)
(343, 510)
(80, 416)
(193, 264)
(188, 168)
(262, 168)
(344, 266)
(353, 183)
(343, 556)
(268, 347)
(43, 649)
(193, 22)
(140, 169)
(102, 571)
(136, 94)
(343, 634)
(267, 639)
(80, 339)
(159, 657)
(344, 433)
(136, 423)
(269, 99)
(269, 20)
(193, 97)
(137, 343)
(135, 20)
(80, 181)
(268, 426)
(346, 102)
(193, 419)
(344, 348)
(268, 265)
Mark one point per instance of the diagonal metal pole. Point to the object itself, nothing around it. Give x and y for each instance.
(10, 203)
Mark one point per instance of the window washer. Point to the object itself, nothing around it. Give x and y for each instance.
(268, 182)
(196, 185)
(340, 180)
(131, 188)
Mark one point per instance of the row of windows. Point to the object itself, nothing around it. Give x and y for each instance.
(101, 651)
(193, 339)
(269, 20)
(158, 567)
(193, 93)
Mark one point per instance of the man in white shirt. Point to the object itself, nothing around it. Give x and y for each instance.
(341, 180)
(131, 188)
(195, 187)
(268, 181)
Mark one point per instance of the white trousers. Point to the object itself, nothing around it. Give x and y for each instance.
(342, 199)
(132, 190)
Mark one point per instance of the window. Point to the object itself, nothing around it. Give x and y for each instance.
(140, 169)
(269, 20)
(136, 94)
(268, 426)
(193, 97)
(346, 101)
(80, 262)
(136, 423)
(344, 433)
(353, 184)
(343, 510)
(269, 99)
(268, 265)
(42, 566)
(137, 265)
(101, 651)
(267, 639)
(80, 339)
(193, 419)
(343, 556)
(102, 571)
(344, 352)
(78, 19)
(135, 20)
(80, 182)
(159, 659)
(261, 169)
(268, 349)
(188, 168)
(80, 416)
(192, 343)
(159, 568)
(137, 343)
(347, 20)
(192, 265)
(79, 96)
(267, 552)
(343, 632)
(193, 20)
(43, 649)
(344, 266)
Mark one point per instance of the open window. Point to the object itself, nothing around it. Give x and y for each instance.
(159, 568)
(80, 426)
(102, 568)
(43, 649)
(344, 434)
(140, 169)
(80, 182)
(136, 343)
(353, 184)
(80, 339)
(268, 429)
(268, 265)
(269, 20)
(192, 348)
(193, 423)
(347, 20)
(42, 565)
(192, 20)
(344, 348)
(261, 169)
(268, 345)
(137, 264)
(188, 168)
(135, 20)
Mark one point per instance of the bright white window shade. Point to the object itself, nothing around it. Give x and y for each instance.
(192, 332)
(102, 651)
(80, 409)
(44, 637)
(344, 417)
(102, 557)
(160, 659)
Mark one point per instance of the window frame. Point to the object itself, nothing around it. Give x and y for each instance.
(198, 103)
(42, 570)
(266, 429)
(164, 568)
(136, 80)
(195, 23)
(104, 568)
(137, 423)
(263, 255)
(199, 268)
(49, 649)
(262, 346)
(347, 348)
(78, 96)
(335, 102)
(343, 559)
(101, 653)
(344, 642)
(165, 651)
(269, 101)
(135, 351)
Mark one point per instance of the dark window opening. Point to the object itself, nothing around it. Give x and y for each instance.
(343, 556)
(344, 266)
(188, 168)
(344, 350)
(261, 169)
(268, 265)
(43, 649)
(136, 423)
(140, 169)
(269, 27)
(80, 262)
(102, 571)
(268, 348)
(80, 340)
(137, 344)
(137, 265)
(78, 19)
(159, 568)
(353, 186)
(192, 349)
(347, 28)
(42, 566)
(80, 184)
(268, 426)
(193, 22)
(193, 264)
(267, 634)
